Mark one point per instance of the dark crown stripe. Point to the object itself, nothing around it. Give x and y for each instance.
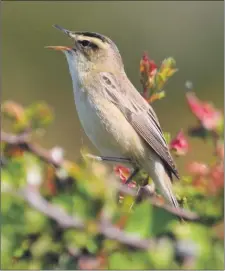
(93, 35)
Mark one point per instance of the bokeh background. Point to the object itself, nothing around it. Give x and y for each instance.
(191, 32)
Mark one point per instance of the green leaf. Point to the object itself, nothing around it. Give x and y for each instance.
(15, 172)
(42, 246)
(129, 261)
(119, 261)
(160, 220)
(162, 255)
(76, 238)
(35, 221)
(157, 96)
(15, 112)
(139, 221)
(39, 114)
(167, 137)
(220, 128)
(199, 234)
(148, 220)
(65, 201)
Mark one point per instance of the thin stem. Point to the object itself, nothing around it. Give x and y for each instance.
(133, 174)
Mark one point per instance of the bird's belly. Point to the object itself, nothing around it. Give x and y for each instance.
(94, 126)
(107, 128)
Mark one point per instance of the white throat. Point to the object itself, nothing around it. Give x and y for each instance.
(73, 71)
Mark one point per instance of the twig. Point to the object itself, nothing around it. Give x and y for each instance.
(114, 233)
(185, 214)
(22, 140)
(14, 139)
(34, 198)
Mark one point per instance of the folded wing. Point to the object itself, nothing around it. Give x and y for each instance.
(139, 114)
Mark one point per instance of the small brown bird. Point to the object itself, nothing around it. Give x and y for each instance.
(115, 117)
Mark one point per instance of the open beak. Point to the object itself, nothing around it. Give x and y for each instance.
(62, 48)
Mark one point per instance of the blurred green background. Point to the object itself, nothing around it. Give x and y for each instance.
(191, 32)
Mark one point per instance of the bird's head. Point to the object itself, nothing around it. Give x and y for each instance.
(90, 51)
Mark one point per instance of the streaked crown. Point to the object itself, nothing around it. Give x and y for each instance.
(94, 48)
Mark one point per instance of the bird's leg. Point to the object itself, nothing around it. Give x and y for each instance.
(118, 160)
(132, 175)
(108, 158)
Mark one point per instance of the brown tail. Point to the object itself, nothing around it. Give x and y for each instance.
(162, 180)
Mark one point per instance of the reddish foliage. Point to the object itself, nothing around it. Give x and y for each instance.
(124, 173)
(216, 176)
(49, 184)
(147, 66)
(121, 222)
(92, 263)
(14, 151)
(204, 112)
(148, 69)
(210, 179)
(179, 144)
(219, 230)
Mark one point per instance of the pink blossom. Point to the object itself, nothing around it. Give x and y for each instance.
(204, 112)
(179, 144)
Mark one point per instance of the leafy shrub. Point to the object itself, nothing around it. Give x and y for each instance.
(57, 214)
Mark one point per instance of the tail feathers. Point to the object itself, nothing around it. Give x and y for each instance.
(172, 199)
(163, 182)
(165, 187)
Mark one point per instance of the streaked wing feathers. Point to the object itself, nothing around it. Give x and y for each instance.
(147, 129)
(140, 115)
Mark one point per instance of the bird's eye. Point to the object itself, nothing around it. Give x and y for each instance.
(88, 44)
(84, 43)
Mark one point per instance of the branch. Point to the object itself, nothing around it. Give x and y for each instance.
(32, 196)
(180, 212)
(23, 142)
(34, 199)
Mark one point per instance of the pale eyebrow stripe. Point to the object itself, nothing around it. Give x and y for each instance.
(96, 41)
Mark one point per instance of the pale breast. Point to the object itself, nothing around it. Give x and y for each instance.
(89, 119)
(104, 123)
(107, 127)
